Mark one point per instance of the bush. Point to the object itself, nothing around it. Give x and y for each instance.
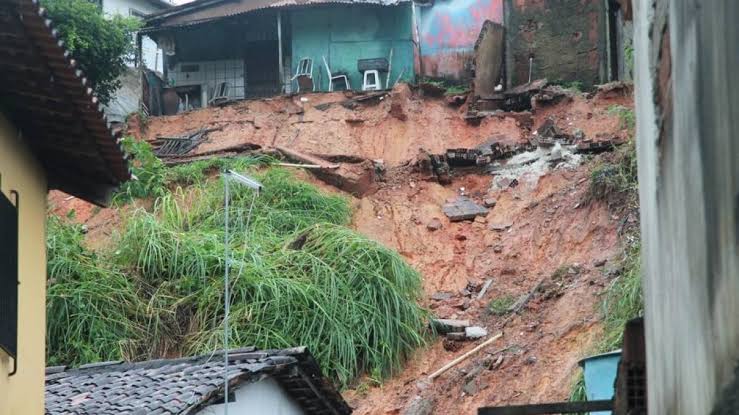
(101, 46)
(148, 173)
(299, 277)
(502, 305)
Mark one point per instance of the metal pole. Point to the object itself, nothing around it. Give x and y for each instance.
(226, 297)
(279, 49)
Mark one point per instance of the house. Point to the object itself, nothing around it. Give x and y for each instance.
(52, 136)
(255, 45)
(151, 55)
(269, 382)
(126, 99)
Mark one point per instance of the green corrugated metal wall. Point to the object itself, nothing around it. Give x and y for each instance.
(344, 34)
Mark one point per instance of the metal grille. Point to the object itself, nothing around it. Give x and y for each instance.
(8, 276)
(636, 389)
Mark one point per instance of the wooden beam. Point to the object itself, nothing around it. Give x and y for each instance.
(548, 408)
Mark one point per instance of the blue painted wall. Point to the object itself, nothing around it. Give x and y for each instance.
(346, 33)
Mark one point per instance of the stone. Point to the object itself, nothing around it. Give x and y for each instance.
(419, 406)
(434, 225)
(599, 263)
(480, 219)
(475, 332)
(462, 208)
(530, 360)
(470, 388)
(500, 226)
(489, 202)
(460, 237)
(441, 296)
(498, 249)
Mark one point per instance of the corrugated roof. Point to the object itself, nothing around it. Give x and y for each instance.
(48, 99)
(201, 11)
(181, 386)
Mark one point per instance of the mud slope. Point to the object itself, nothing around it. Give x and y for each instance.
(539, 234)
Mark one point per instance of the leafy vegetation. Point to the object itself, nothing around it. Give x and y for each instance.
(623, 299)
(576, 86)
(101, 46)
(502, 305)
(624, 114)
(615, 178)
(148, 172)
(299, 277)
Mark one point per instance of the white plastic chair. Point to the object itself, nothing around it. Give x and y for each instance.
(220, 94)
(335, 76)
(303, 72)
(371, 80)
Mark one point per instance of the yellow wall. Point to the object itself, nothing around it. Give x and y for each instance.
(23, 393)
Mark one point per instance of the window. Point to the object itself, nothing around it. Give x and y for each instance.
(8, 276)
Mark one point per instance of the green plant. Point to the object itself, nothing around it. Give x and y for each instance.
(502, 305)
(623, 300)
(617, 177)
(147, 170)
(102, 46)
(626, 116)
(576, 86)
(299, 277)
(456, 90)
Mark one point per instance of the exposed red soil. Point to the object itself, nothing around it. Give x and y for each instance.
(551, 229)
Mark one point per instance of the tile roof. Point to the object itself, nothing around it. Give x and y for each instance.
(49, 100)
(182, 386)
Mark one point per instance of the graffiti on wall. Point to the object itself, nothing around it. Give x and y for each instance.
(448, 31)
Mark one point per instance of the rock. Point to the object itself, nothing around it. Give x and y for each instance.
(444, 326)
(496, 364)
(419, 406)
(470, 388)
(475, 332)
(599, 263)
(498, 249)
(489, 202)
(434, 225)
(480, 219)
(441, 296)
(500, 226)
(462, 208)
(460, 237)
(530, 360)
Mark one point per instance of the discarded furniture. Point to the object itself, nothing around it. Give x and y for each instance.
(600, 374)
(304, 75)
(335, 76)
(220, 95)
(370, 70)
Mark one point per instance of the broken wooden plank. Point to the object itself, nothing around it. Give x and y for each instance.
(548, 408)
(302, 166)
(306, 158)
(464, 357)
(484, 288)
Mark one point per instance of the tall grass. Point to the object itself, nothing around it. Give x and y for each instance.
(299, 277)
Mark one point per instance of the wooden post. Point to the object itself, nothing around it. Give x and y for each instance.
(279, 50)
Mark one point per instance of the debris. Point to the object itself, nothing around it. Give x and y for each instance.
(434, 225)
(599, 263)
(524, 300)
(456, 336)
(444, 326)
(500, 226)
(496, 364)
(463, 208)
(464, 357)
(470, 388)
(484, 289)
(596, 147)
(475, 332)
(456, 100)
(432, 89)
(498, 249)
(419, 406)
(530, 360)
(306, 158)
(489, 202)
(460, 237)
(441, 296)
(481, 219)
(519, 98)
(178, 146)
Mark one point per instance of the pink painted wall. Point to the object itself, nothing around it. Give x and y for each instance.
(448, 31)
